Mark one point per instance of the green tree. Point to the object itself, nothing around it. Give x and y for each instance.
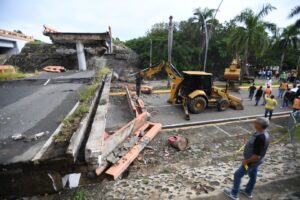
(251, 35)
(203, 19)
(288, 39)
(295, 11)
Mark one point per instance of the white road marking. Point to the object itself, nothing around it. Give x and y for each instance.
(223, 131)
(249, 132)
(278, 125)
(47, 82)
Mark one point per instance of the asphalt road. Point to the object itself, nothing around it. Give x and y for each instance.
(168, 114)
(31, 108)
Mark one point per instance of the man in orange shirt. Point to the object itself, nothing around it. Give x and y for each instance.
(282, 88)
(296, 104)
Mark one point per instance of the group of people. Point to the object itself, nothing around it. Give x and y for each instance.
(284, 91)
(289, 76)
(264, 73)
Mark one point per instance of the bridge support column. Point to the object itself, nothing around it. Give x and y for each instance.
(80, 56)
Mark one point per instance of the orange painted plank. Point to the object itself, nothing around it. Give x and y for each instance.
(118, 168)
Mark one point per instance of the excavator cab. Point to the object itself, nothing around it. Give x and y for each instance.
(196, 80)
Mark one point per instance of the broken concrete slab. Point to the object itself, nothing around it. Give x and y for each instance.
(94, 145)
(78, 136)
(117, 138)
(118, 168)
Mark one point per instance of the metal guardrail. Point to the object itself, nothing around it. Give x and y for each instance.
(293, 123)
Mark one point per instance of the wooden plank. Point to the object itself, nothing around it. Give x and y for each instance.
(118, 168)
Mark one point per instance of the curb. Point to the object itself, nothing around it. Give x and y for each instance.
(47, 144)
(220, 120)
(78, 137)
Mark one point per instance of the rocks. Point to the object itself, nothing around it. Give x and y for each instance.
(123, 61)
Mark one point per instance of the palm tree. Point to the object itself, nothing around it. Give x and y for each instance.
(286, 40)
(251, 35)
(204, 19)
(295, 11)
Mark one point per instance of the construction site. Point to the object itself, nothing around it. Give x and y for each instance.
(87, 122)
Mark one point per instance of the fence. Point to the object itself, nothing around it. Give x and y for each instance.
(294, 126)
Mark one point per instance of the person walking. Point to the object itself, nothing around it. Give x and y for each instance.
(254, 153)
(269, 106)
(282, 88)
(296, 104)
(286, 98)
(258, 95)
(267, 93)
(251, 90)
(282, 77)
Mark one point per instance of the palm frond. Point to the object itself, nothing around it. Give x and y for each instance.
(266, 9)
(295, 11)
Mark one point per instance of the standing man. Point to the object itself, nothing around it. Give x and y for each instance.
(282, 88)
(270, 105)
(296, 104)
(286, 98)
(254, 153)
(258, 95)
(138, 83)
(251, 89)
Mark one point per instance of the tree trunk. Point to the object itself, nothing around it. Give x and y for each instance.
(245, 70)
(281, 62)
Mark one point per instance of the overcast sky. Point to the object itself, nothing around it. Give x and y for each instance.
(128, 18)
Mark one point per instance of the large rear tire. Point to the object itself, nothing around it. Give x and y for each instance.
(197, 104)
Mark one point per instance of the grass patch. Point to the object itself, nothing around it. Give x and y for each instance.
(37, 42)
(146, 180)
(166, 171)
(162, 88)
(297, 133)
(71, 123)
(13, 75)
(80, 195)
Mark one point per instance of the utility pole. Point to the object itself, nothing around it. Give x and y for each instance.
(150, 61)
(206, 41)
(170, 39)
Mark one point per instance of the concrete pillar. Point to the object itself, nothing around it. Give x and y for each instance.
(80, 56)
(110, 43)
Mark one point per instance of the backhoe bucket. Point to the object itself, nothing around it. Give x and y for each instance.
(235, 102)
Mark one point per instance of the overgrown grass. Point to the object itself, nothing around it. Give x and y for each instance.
(297, 133)
(71, 123)
(14, 75)
(80, 195)
(37, 42)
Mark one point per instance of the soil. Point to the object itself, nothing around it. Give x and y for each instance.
(203, 169)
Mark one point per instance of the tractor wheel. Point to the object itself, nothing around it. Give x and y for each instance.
(223, 104)
(197, 104)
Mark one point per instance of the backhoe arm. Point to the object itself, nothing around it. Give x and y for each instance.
(173, 74)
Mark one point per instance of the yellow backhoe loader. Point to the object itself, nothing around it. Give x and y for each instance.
(193, 89)
(232, 75)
